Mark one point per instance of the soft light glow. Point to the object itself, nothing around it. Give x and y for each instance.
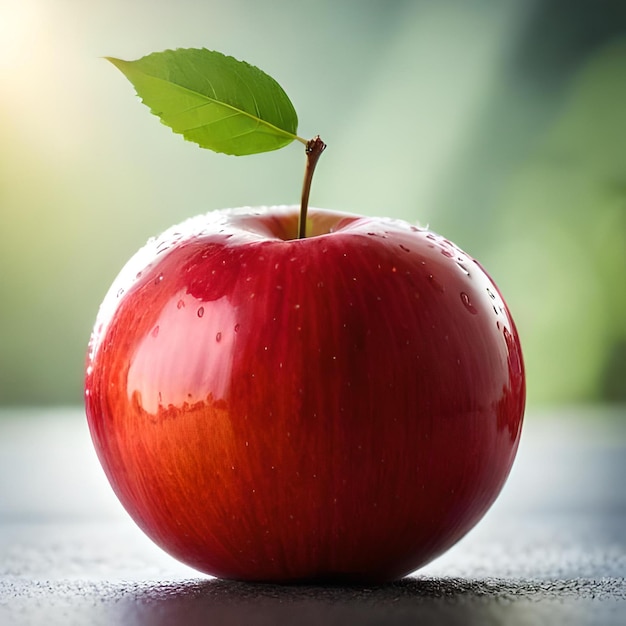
(19, 32)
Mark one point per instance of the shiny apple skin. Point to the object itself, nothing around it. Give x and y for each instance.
(340, 408)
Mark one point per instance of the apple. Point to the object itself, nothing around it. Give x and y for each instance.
(342, 407)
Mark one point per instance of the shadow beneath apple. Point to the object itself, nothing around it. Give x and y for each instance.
(409, 601)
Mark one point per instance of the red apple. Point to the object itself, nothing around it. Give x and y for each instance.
(343, 407)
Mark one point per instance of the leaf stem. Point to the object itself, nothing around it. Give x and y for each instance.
(313, 150)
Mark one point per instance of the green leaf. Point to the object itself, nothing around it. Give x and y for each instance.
(214, 100)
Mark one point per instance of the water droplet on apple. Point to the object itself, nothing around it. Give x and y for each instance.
(180, 304)
(158, 279)
(491, 294)
(436, 285)
(120, 292)
(463, 268)
(218, 337)
(467, 303)
(237, 327)
(201, 311)
(155, 331)
(404, 248)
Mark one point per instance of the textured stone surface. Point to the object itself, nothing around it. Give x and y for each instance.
(552, 550)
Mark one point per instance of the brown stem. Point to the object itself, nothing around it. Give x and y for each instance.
(313, 151)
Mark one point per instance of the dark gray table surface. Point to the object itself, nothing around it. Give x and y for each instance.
(552, 550)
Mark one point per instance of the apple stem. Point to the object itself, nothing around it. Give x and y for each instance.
(313, 150)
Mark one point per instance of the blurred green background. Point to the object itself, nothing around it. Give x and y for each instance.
(500, 124)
